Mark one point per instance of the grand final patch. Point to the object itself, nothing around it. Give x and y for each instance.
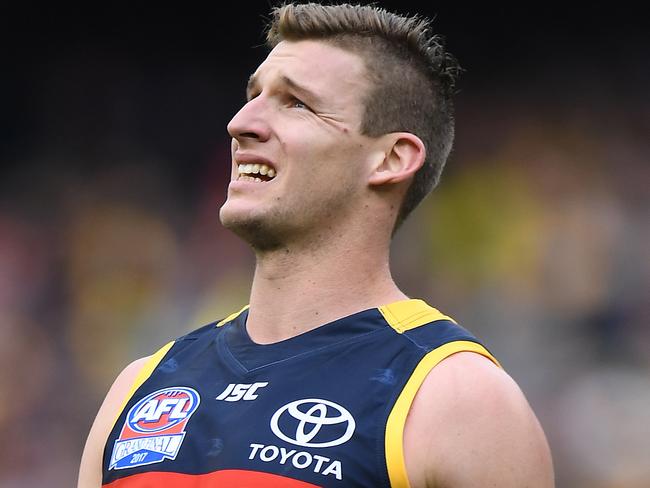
(154, 428)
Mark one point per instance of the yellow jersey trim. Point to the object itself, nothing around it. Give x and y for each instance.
(394, 441)
(409, 314)
(230, 317)
(143, 374)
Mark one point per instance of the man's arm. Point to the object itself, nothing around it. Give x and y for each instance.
(90, 471)
(470, 425)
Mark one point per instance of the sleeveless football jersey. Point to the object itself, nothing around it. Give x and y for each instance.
(324, 408)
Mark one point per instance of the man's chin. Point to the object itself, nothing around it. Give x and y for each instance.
(255, 230)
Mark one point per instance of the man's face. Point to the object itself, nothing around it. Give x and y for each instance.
(298, 158)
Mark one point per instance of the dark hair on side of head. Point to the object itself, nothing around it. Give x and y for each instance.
(412, 76)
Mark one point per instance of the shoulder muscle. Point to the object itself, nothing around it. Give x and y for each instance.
(470, 425)
(90, 471)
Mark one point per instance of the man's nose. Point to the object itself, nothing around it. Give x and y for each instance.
(250, 123)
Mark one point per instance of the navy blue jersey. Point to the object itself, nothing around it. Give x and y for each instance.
(324, 408)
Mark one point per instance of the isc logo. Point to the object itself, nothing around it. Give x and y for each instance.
(241, 391)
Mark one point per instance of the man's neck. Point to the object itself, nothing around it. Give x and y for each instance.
(295, 291)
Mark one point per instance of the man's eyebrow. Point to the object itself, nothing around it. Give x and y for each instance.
(284, 79)
(250, 86)
(302, 90)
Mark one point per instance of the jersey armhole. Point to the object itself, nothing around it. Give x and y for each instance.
(394, 438)
(142, 376)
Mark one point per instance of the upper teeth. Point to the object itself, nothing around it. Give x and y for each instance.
(256, 168)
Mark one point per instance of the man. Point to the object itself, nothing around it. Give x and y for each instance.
(331, 376)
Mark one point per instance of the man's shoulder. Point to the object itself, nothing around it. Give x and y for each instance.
(470, 421)
(91, 462)
(468, 384)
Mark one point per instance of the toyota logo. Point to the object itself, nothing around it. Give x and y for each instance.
(306, 419)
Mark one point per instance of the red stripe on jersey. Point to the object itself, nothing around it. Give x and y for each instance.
(230, 477)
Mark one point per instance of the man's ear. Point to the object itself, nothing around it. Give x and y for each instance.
(404, 155)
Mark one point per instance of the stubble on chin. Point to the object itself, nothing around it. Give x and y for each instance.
(258, 233)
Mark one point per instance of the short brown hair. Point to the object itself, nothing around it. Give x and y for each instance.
(413, 76)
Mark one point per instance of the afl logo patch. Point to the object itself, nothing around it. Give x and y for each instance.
(154, 428)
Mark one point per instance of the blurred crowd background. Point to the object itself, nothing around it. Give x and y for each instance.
(115, 160)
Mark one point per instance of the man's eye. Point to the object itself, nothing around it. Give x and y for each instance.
(297, 103)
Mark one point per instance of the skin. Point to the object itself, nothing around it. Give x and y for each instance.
(331, 207)
(90, 471)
